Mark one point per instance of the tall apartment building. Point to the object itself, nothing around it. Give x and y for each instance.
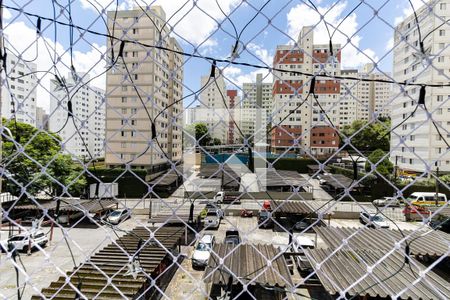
(250, 106)
(156, 79)
(362, 100)
(19, 94)
(212, 108)
(41, 118)
(88, 106)
(422, 146)
(306, 124)
(234, 120)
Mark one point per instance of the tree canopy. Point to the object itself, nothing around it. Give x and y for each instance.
(368, 137)
(385, 167)
(37, 163)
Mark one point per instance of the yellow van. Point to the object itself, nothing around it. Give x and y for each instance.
(427, 199)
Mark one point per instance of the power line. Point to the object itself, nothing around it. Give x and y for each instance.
(229, 61)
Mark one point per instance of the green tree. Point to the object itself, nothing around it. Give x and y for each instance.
(38, 162)
(385, 167)
(217, 142)
(201, 134)
(369, 137)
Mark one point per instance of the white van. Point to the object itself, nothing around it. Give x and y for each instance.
(427, 199)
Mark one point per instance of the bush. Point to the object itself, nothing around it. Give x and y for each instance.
(293, 164)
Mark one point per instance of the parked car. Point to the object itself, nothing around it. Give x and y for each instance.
(212, 218)
(301, 225)
(202, 251)
(232, 237)
(373, 220)
(245, 213)
(223, 197)
(21, 241)
(118, 215)
(387, 201)
(265, 219)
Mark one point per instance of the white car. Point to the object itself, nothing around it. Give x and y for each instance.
(373, 220)
(212, 218)
(118, 216)
(23, 240)
(202, 251)
(386, 202)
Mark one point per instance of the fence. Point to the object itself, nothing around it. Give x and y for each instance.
(236, 102)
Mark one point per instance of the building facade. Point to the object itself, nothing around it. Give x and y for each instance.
(416, 144)
(299, 124)
(88, 107)
(41, 118)
(19, 93)
(364, 100)
(250, 104)
(135, 100)
(212, 110)
(233, 102)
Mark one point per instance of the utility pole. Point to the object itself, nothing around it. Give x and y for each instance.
(437, 183)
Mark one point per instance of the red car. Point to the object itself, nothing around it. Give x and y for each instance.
(246, 213)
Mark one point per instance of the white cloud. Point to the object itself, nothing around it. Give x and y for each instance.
(195, 23)
(408, 10)
(390, 44)
(21, 40)
(236, 77)
(352, 56)
(6, 14)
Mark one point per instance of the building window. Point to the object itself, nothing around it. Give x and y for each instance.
(443, 6)
(442, 32)
(133, 122)
(124, 88)
(135, 31)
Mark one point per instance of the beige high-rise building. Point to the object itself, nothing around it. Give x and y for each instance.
(300, 125)
(250, 106)
(213, 111)
(415, 143)
(156, 80)
(363, 100)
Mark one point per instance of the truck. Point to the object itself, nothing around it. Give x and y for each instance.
(226, 197)
(103, 190)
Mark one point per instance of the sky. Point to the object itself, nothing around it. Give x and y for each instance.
(201, 26)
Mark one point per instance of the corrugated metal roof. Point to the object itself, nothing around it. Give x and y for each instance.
(247, 263)
(441, 211)
(339, 181)
(298, 207)
(112, 261)
(389, 277)
(425, 242)
(290, 207)
(274, 178)
(71, 204)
